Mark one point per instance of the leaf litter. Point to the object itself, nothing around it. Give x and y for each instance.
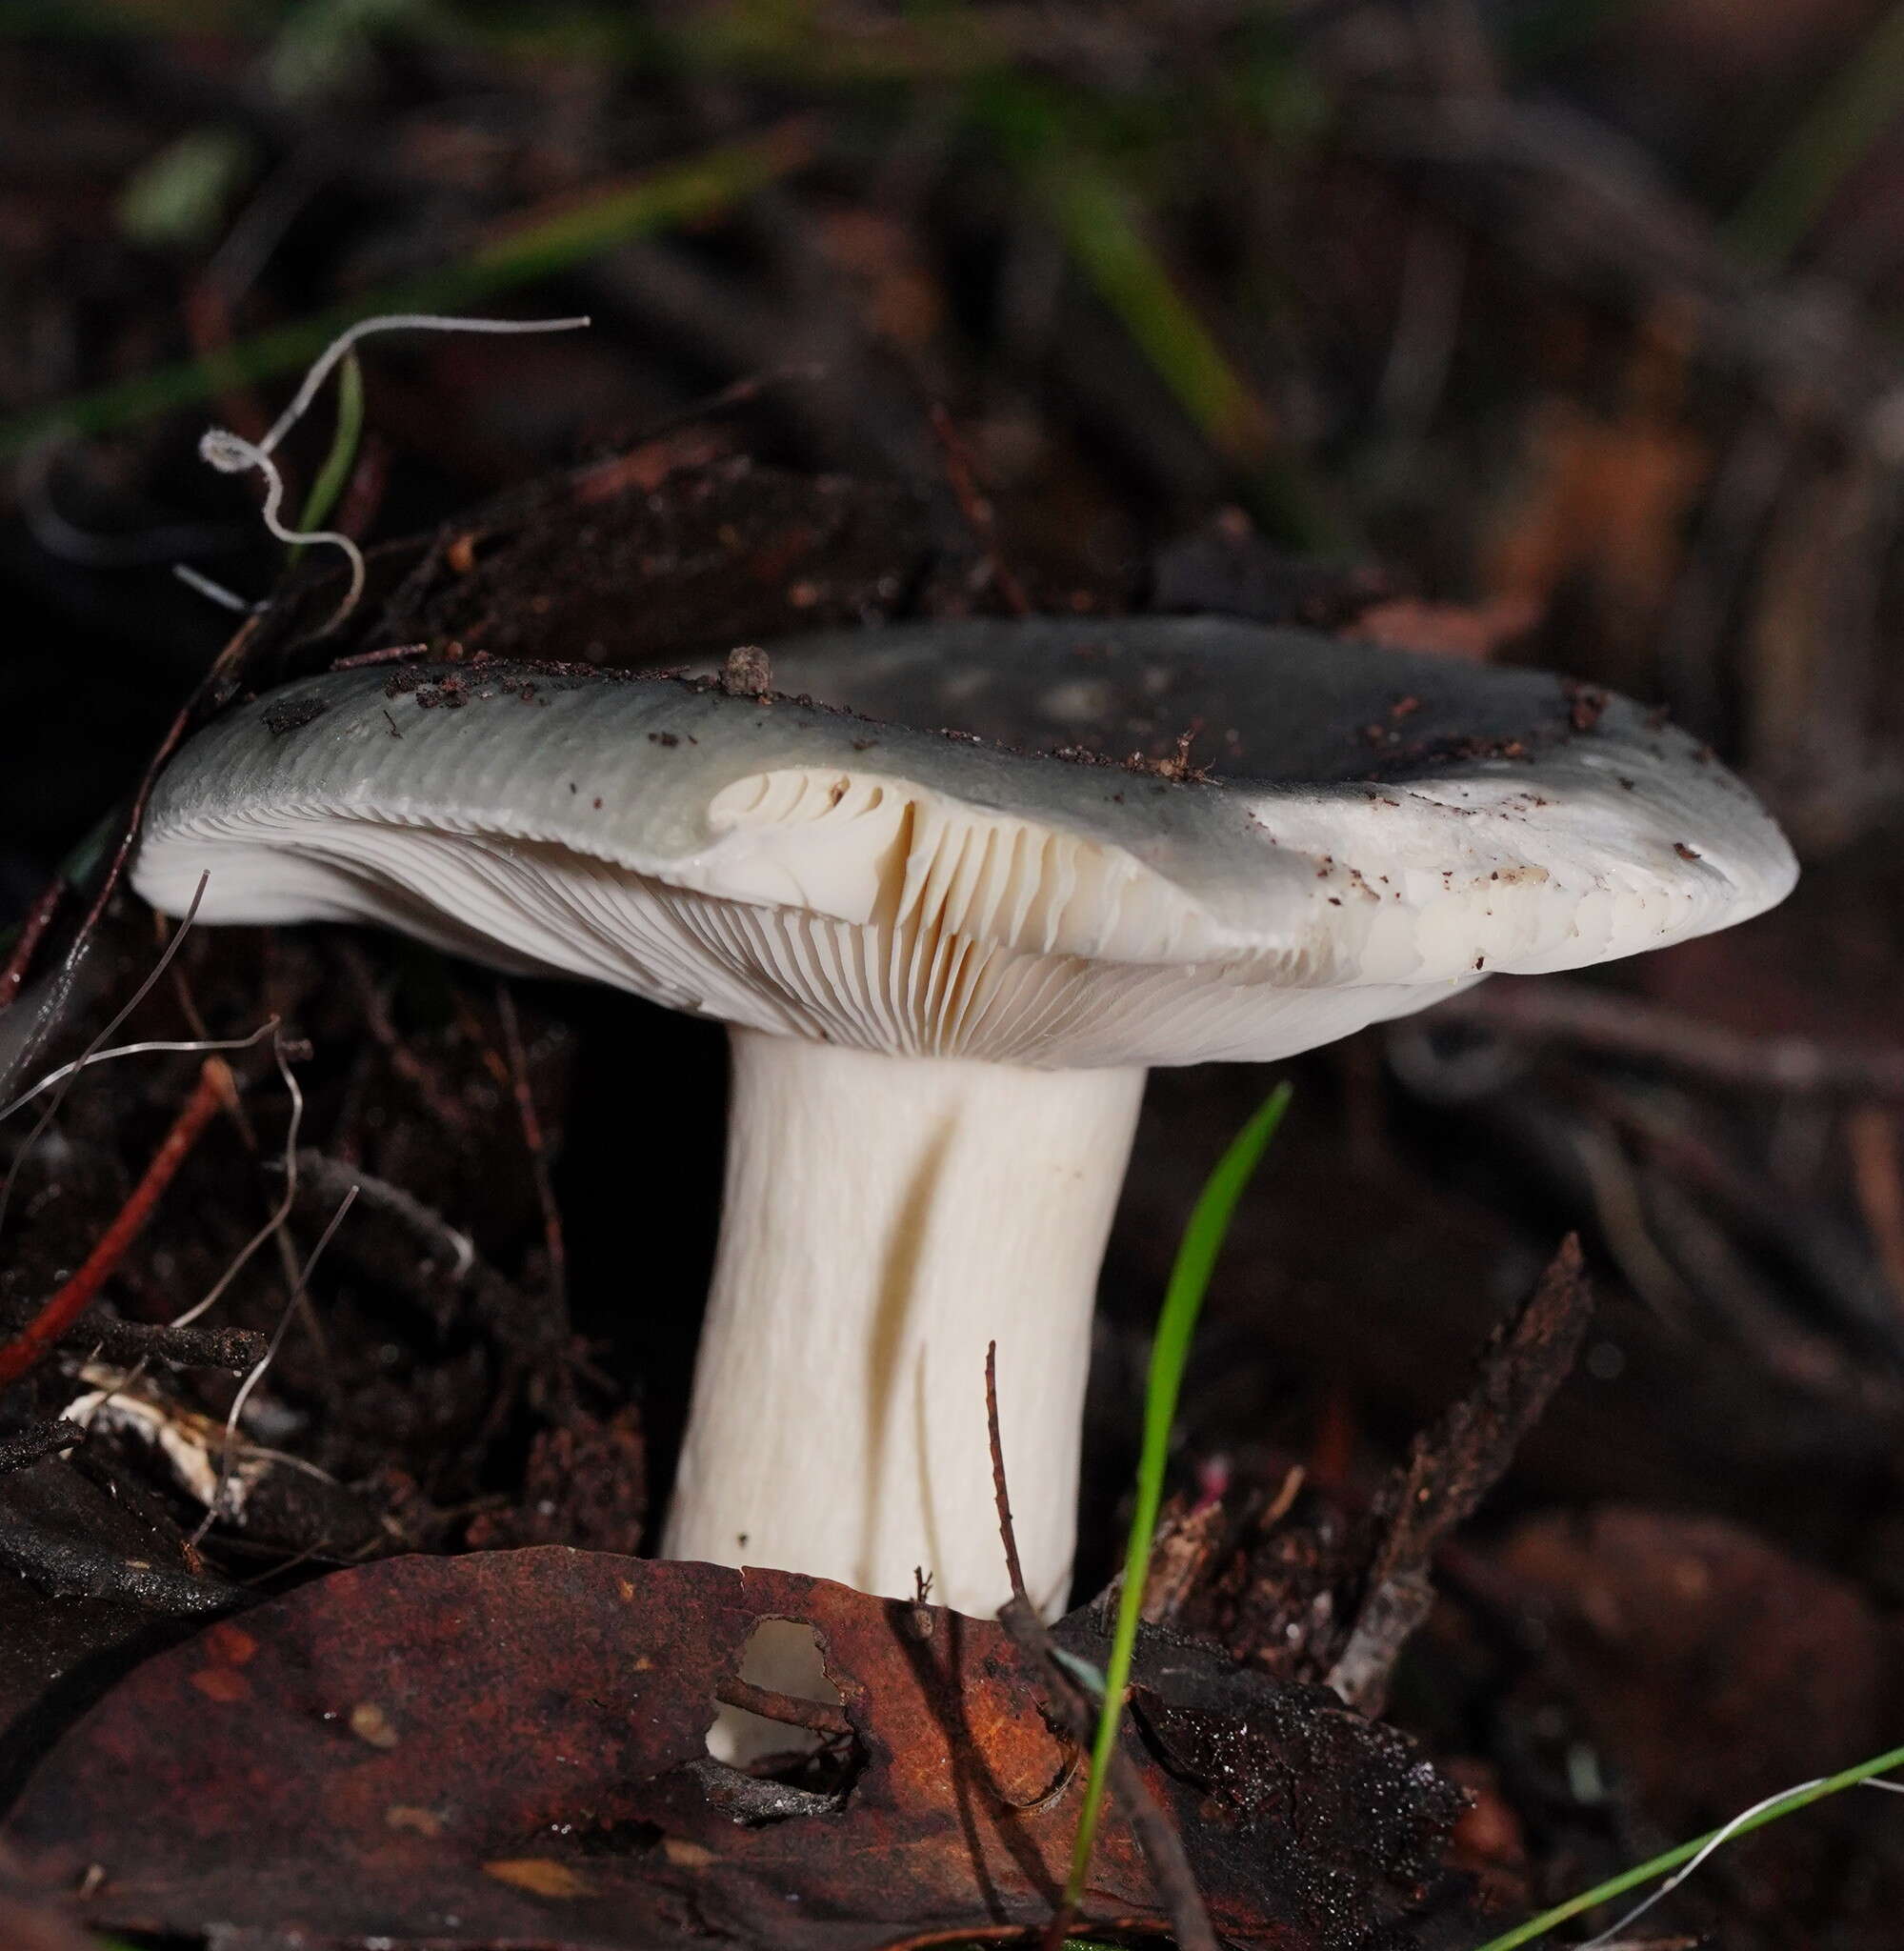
(511, 1748)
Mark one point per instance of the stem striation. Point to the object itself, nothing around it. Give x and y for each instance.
(884, 1217)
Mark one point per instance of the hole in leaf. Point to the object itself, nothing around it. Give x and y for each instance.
(782, 1763)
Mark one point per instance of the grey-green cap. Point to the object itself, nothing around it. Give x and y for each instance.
(928, 839)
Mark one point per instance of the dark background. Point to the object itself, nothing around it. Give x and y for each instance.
(1562, 333)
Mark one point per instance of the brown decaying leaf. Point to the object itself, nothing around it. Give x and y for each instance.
(541, 1777)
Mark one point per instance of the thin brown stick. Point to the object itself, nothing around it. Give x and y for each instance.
(976, 509)
(1006, 1534)
(67, 1073)
(39, 1439)
(442, 1106)
(127, 1342)
(1877, 1175)
(785, 1708)
(38, 919)
(1149, 1822)
(1623, 1025)
(214, 1088)
(538, 1151)
(392, 653)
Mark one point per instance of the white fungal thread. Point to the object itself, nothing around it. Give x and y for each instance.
(299, 1287)
(282, 1211)
(1605, 1940)
(195, 1045)
(215, 592)
(231, 453)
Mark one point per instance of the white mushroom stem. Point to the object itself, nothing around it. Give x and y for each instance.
(884, 1217)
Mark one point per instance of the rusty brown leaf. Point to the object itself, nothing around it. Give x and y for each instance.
(540, 1775)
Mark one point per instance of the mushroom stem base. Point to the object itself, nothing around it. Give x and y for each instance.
(885, 1218)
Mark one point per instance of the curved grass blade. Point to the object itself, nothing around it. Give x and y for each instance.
(1688, 1852)
(1183, 1301)
(335, 472)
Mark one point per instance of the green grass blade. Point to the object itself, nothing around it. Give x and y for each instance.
(1677, 1859)
(335, 472)
(678, 193)
(1183, 1300)
(1856, 110)
(1103, 236)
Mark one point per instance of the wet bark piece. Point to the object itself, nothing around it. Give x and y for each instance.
(510, 1747)
(1454, 1466)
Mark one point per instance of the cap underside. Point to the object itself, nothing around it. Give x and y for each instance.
(1377, 829)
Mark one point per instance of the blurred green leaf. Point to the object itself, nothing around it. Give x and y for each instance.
(180, 196)
(1860, 105)
(675, 194)
(324, 43)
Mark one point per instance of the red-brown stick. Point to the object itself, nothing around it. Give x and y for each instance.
(976, 509)
(538, 1150)
(213, 1089)
(39, 917)
(1001, 1496)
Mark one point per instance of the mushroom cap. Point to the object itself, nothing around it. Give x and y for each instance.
(1366, 831)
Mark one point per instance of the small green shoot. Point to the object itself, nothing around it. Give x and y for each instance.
(1092, 213)
(178, 198)
(1096, 222)
(1856, 110)
(1688, 1853)
(1183, 1300)
(335, 473)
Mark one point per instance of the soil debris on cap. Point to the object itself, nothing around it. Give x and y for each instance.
(747, 672)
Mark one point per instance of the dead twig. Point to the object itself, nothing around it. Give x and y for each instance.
(1074, 1707)
(814, 1715)
(1877, 1175)
(442, 1106)
(391, 654)
(1007, 1537)
(975, 505)
(232, 1349)
(128, 1342)
(36, 1440)
(214, 1088)
(37, 920)
(1452, 1466)
(219, 684)
(1626, 1026)
(555, 1245)
(69, 1071)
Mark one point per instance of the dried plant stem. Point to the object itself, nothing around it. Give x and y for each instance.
(214, 1088)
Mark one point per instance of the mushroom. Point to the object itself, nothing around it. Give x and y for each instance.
(948, 957)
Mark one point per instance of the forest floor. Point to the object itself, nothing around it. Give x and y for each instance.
(1571, 350)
